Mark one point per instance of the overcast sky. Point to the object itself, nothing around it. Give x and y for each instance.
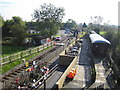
(78, 10)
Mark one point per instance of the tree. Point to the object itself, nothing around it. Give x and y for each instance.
(96, 20)
(1, 21)
(18, 30)
(6, 28)
(90, 25)
(49, 18)
(70, 24)
(84, 25)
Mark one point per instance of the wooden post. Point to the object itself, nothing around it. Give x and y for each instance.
(43, 46)
(38, 49)
(30, 51)
(51, 44)
(21, 54)
(10, 58)
(47, 45)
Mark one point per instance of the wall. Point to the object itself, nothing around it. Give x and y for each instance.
(60, 82)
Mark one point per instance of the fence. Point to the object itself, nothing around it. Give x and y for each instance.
(25, 53)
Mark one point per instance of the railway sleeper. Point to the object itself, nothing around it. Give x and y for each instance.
(11, 75)
(5, 78)
(18, 71)
(23, 67)
(14, 73)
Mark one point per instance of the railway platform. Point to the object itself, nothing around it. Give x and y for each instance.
(83, 76)
(83, 68)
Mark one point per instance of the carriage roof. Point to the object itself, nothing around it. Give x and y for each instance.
(96, 38)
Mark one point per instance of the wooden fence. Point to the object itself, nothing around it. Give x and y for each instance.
(25, 53)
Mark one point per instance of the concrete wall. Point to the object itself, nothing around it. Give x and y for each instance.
(60, 82)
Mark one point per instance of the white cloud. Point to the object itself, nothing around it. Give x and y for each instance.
(79, 10)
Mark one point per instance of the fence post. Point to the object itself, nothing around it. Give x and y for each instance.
(30, 51)
(43, 46)
(51, 44)
(47, 45)
(10, 58)
(21, 54)
(38, 49)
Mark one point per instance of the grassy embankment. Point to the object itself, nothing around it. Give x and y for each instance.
(102, 33)
(8, 50)
(9, 66)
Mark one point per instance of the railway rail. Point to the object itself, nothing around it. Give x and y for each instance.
(19, 69)
(39, 60)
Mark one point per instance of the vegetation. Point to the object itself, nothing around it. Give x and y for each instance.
(70, 24)
(95, 23)
(14, 28)
(112, 34)
(49, 19)
(84, 25)
(7, 50)
(9, 66)
(102, 33)
(1, 21)
(18, 31)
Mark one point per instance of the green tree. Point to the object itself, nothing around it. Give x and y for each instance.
(18, 30)
(96, 20)
(49, 18)
(1, 21)
(71, 24)
(6, 28)
(84, 25)
(90, 26)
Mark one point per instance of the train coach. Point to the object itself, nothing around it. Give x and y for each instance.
(99, 45)
(92, 32)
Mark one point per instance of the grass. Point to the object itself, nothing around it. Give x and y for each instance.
(102, 32)
(7, 50)
(81, 35)
(9, 66)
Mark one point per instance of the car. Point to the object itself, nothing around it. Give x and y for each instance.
(67, 31)
(60, 43)
(74, 51)
(75, 48)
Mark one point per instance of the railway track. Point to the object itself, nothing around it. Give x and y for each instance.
(39, 61)
(16, 71)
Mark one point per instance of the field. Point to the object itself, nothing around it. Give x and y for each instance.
(7, 50)
(102, 32)
(9, 66)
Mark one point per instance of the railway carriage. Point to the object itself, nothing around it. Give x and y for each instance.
(92, 32)
(99, 45)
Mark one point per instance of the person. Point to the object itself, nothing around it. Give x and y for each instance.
(54, 43)
(17, 79)
(65, 51)
(42, 71)
(46, 70)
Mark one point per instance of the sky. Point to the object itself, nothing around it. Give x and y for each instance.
(78, 10)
